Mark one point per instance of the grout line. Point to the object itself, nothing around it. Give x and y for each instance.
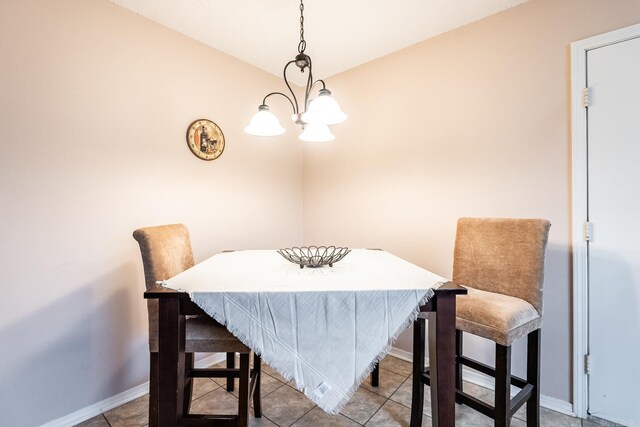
(394, 372)
(303, 415)
(400, 403)
(377, 410)
(378, 394)
(269, 419)
(275, 389)
(360, 424)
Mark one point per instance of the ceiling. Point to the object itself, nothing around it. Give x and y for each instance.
(340, 34)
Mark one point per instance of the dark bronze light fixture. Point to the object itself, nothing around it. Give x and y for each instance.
(316, 115)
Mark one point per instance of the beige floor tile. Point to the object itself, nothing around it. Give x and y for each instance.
(397, 366)
(260, 422)
(393, 414)
(285, 406)
(222, 382)
(219, 401)
(597, 422)
(268, 384)
(131, 414)
(202, 386)
(549, 418)
(362, 405)
(317, 417)
(98, 421)
(222, 364)
(389, 383)
(466, 416)
(270, 371)
(482, 393)
(403, 396)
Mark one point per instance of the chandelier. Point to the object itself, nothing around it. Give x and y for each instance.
(315, 116)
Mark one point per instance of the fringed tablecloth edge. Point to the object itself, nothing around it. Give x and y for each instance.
(335, 409)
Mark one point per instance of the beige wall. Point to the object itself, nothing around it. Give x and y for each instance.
(475, 122)
(94, 106)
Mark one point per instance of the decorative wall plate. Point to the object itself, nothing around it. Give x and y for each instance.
(205, 139)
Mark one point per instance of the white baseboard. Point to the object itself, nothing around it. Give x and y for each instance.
(120, 399)
(135, 392)
(487, 382)
(100, 407)
(401, 354)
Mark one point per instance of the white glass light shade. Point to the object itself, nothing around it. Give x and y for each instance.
(316, 133)
(324, 110)
(264, 123)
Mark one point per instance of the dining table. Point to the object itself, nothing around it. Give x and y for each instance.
(324, 329)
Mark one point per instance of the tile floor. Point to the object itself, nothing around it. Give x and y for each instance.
(282, 405)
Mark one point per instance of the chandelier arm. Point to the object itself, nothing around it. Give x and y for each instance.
(264, 101)
(310, 88)
(320, 81)
(310, 84)
(296, 109)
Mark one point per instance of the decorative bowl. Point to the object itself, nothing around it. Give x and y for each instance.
(314, 256)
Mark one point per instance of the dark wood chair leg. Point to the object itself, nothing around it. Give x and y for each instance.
(188, 383)
(375, 376)
(417, 391)
(458, 364)
(243, 392)
(231, 364)
(153, 389)
(503, 386)
(533, 378)
(257, 369)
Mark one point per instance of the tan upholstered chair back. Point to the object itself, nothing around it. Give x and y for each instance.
(505, 256)
(166, 252)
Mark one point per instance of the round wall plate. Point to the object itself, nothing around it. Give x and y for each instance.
(205, 139)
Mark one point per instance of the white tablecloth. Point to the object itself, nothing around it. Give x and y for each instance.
(323, 328)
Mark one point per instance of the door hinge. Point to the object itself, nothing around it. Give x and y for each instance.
(586, 94)
(588, 231)
(587, 364)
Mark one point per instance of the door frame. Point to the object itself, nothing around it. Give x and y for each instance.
(579, 51)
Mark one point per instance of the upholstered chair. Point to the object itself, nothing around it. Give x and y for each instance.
(166, 251)
(501, 264)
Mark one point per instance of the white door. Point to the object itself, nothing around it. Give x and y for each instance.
(613, 141)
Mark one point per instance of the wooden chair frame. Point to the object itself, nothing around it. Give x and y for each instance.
(505, 406)
(249, 387)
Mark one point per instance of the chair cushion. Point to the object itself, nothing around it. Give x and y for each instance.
(500, 318)
(203, 334)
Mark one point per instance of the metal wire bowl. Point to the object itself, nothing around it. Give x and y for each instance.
(314, 256)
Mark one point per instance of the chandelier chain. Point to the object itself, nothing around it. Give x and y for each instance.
(303, 44)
